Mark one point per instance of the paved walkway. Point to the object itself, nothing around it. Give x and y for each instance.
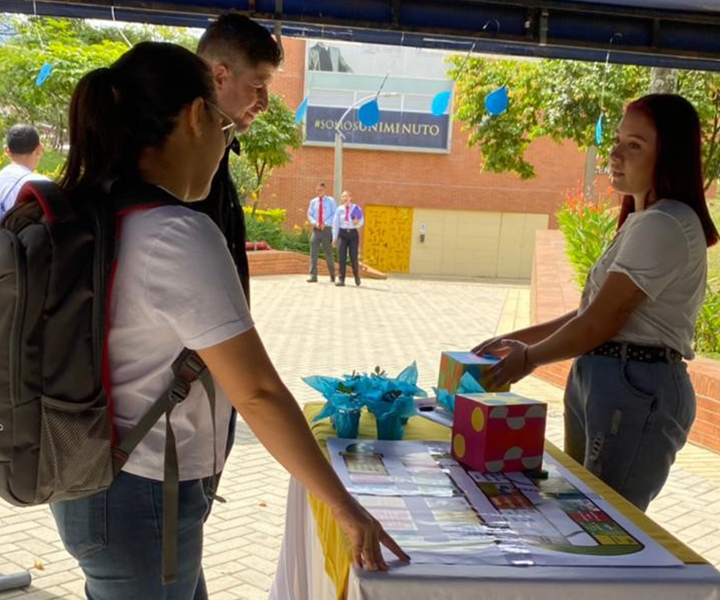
(396, 321)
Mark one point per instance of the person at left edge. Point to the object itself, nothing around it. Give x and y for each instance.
(24, 149)
(243, 57)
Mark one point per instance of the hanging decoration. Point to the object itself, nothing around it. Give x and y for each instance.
(47, 67)
(496, 103)
(369, 113)
(441, 101)
(43, 74)
(599, 124)
(301, 110)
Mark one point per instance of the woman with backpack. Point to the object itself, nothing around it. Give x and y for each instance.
(629, 402)
(150, 126)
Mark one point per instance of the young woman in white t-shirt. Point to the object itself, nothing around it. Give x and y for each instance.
(629, 402)
(150, 124)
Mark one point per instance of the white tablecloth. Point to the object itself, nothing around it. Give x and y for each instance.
(301, 575)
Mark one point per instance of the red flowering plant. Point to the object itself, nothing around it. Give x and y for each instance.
(588, 227)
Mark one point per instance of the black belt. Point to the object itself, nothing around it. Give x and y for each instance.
(646, 354)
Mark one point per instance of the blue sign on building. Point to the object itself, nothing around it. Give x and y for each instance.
(397, 130)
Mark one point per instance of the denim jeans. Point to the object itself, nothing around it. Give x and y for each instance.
(116, 537)
(626, 420)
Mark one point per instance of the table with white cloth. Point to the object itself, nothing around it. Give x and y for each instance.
(315, 560)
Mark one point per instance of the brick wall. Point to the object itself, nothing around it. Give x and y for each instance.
(553, 293)
(449, 181)
(281, 262)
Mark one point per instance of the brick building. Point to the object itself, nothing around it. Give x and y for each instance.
(476, 224)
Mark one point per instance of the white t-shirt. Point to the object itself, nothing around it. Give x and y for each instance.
(175, 286)
(12, 178)
(663, 251)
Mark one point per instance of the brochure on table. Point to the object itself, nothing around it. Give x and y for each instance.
(441, 513)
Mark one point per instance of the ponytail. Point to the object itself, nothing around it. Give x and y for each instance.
(96, 132)
(118, 112)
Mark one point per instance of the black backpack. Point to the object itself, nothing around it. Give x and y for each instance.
(56, 435)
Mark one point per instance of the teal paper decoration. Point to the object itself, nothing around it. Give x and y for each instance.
(496, 103)
(43, 74)
(301, 110)
(369, 113)
(440, 103)
(599, 131)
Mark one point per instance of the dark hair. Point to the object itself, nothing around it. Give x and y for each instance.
(232, 35)
(678, 167)
(321, 184)
(22, 139)
(117, 112)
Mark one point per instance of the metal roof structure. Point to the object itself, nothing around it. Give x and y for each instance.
(666, 33)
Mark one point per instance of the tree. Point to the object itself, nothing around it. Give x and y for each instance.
(563, 100)
(265, 146)
(72, 47)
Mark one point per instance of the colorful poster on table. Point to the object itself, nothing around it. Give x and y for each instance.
(441, 513)
(340, 74)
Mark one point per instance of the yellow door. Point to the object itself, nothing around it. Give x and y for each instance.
(388, 236)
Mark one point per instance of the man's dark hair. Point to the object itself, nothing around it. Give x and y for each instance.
(321, 184)
(22, 139)
(232, 35)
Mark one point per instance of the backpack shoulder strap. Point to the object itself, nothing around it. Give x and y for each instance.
(51, 198)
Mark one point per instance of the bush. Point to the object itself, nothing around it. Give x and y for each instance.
(276, 215)
(707, 325)
(588, 229)
(266, 226)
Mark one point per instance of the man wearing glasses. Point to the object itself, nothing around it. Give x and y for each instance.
(243, 57)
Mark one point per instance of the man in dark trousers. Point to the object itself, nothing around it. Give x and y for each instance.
(243, 57)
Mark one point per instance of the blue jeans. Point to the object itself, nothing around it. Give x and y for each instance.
(116, 537)
(626, 420)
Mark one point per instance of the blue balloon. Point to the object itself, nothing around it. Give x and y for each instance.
(302, 110)
(43, 74)
(599, 131)
(496, 102)
(440, 103)
(369, 113)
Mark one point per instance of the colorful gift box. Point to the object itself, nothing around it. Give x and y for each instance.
(453, 365)
(499, 432)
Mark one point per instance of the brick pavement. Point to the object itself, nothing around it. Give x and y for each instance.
(394, 321)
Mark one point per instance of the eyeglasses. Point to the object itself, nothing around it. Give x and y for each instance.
(229, 130)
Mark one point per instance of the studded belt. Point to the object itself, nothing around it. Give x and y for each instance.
(646, 354)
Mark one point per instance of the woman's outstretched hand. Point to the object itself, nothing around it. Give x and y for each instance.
(514, 363)
(366, 535)
(490, 347)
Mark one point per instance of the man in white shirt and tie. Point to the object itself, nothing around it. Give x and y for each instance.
(320, 214)
(24, 149)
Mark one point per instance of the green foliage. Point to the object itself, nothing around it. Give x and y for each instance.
(588, 229)
(562, 99)
(264, 226)
(707, 325)
(72, 47)
(275, 215)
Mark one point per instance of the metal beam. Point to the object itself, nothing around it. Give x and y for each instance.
(542, 28)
